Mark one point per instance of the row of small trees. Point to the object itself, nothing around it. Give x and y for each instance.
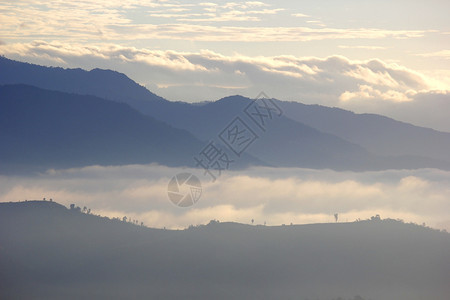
(136, 222)
(87, 211)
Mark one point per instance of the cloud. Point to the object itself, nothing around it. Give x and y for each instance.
(251, 34)
(445, 54)
(362, 47)
(300, 15)
(316, 22)
(213, 12)
(367, 92)
(336, 71)
(230, 11)
(275, 196)
(115, 20)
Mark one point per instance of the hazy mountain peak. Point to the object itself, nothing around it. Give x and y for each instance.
(233, 98)
(103, 83)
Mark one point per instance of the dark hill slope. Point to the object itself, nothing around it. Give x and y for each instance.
(42, 129)
(50, 252)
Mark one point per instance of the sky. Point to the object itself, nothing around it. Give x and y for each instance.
(387, 57)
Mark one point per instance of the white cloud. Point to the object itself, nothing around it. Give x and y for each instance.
(362, 47)
(367, 92)
(110, 20)
(445, 54)
(316, 22)
(275, 196)
(300, 15)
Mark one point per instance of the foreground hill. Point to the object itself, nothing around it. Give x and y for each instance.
(50, 252)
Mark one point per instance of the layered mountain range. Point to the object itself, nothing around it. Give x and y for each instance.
(59, 118)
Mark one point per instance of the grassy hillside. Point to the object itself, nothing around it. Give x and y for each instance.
(51, 252)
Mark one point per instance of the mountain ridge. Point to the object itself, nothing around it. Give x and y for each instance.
(377, 133)
(314, 142)
(108, 84)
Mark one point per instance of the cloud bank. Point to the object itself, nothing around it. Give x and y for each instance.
(274, 196)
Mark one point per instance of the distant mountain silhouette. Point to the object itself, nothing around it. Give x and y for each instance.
(105, 84)
(376, 133)
(286, 143)
(42, 129)
(305, 136)
(50, 252)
